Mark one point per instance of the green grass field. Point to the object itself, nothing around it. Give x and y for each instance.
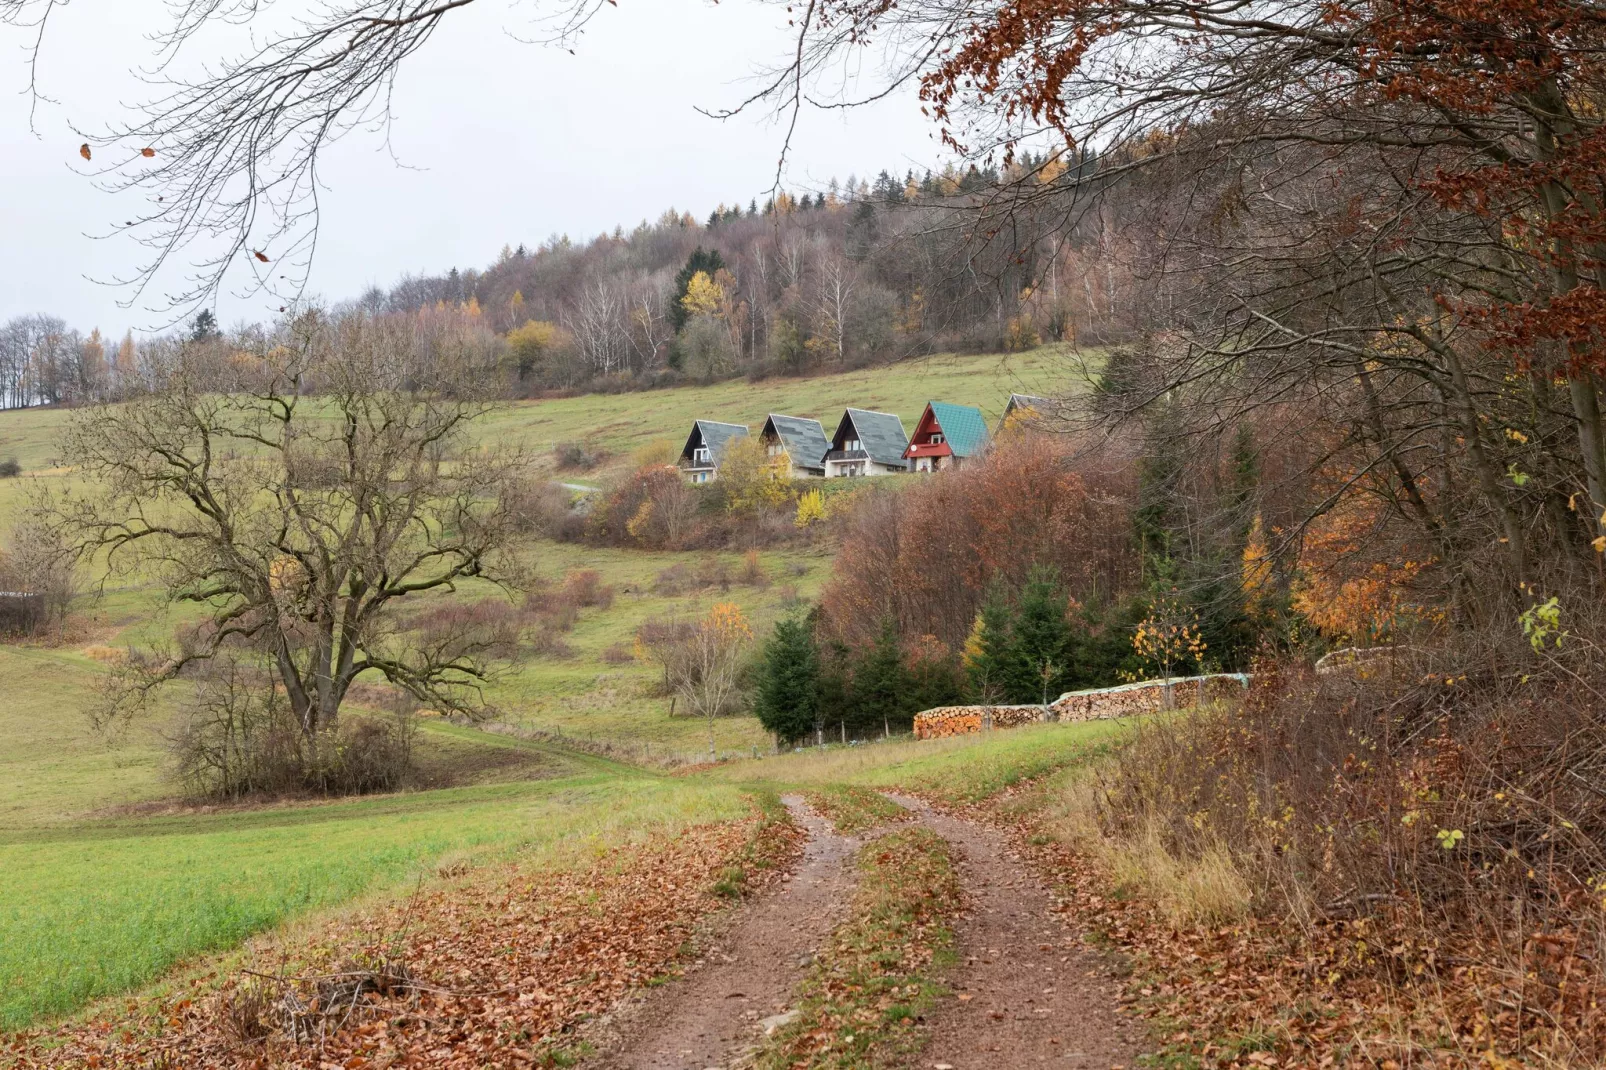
(106, 886)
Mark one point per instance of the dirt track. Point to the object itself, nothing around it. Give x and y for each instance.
(715, 1014)
(1026, 991)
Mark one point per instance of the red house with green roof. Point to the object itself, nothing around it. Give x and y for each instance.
(947, 436)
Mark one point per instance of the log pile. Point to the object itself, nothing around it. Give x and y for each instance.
(1095, 704)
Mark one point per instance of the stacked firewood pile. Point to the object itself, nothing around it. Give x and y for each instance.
(1096, 704)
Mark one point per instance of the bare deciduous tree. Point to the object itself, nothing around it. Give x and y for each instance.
(301, 494)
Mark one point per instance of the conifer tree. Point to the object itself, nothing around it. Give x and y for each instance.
(987, 649)
(788, 701)
(1041, 644)
(705, 261)
(834, 683)
(880, 684)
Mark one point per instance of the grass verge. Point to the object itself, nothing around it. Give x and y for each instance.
(96, 911)
(498, 966)
(958, 770)
(864, 1000)
(852, 810)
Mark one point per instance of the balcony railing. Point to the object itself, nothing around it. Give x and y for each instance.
(848, 455)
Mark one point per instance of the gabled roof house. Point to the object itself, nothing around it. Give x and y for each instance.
(706, 446)
(1023, 407)
(800, 441)
(867, 443)
(947, 436)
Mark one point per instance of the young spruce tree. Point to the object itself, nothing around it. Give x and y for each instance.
(788, 700)
(1042, 643)
(880, 685)
(987, 649)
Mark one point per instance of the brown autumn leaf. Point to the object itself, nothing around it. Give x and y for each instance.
(147, 152)
(83, 150)
(260, 255)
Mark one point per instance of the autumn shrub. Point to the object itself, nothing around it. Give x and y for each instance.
(1445, 799)
(237, 737)
(577, 456)
(10, 468)
(584, 588)
(674, 580)
(542, 507)
(714, 572)
(753, 574)
(618, 654)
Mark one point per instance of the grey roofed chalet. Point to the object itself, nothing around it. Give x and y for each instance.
(714, 435)
(804, 439)
(880, 435)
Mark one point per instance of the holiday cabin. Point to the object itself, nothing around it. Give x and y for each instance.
(706, 446)
(1021, 409)
(867, 443)
(947, 436)
(801, 442)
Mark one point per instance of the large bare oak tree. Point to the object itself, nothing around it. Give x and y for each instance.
(304, 493)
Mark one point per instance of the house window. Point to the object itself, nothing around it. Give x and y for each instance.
(937, 439)
(700, 455)
(851, 444)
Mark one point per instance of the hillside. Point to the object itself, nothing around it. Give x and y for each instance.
(83, 838)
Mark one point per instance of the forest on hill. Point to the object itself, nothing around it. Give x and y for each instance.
(857, 274)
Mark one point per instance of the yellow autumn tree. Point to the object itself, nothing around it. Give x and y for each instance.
(1255, 573)
(751, 478)
(532, 343)
(704, 296)
(810, 509)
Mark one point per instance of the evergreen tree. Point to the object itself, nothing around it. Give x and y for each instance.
(887, 189)
(788, 701)
(934, 676)
(205, 326)
(833, 686)
(987, 649)
(880, 685)
(707, 261)
(1041, 646)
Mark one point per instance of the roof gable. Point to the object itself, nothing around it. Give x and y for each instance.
(713, 434)
(804, 439)
(880, 435)
(963, 427)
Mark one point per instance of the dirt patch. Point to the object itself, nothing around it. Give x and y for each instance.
(748, 973)
(1027, 992)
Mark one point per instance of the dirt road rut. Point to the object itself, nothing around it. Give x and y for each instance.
(1027, 992)
(746, 978)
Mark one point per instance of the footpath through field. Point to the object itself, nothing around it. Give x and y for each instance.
(1027, 991)
(742, 985)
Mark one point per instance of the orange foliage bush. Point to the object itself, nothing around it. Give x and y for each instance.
(926, 555)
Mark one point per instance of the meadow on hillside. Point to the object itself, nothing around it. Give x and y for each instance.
(109, 886)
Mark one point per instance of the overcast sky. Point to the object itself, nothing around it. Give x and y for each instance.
(501, 142)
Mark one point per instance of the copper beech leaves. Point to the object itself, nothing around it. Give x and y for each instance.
(147, 152)
(260, 255)
(83, 150)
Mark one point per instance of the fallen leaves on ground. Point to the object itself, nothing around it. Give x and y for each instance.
(496, 969)
(871, 984)
(1269, 992)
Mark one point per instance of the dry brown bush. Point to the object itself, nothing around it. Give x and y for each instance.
(1445, 801)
